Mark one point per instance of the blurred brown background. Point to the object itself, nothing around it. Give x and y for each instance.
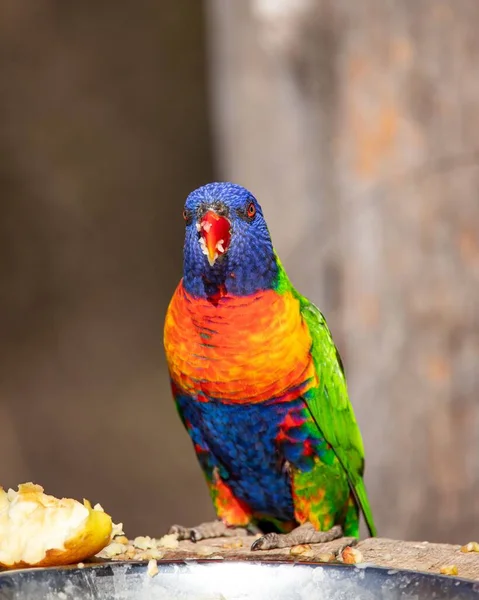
(354, 123)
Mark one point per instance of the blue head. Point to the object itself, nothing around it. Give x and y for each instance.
(227, 248)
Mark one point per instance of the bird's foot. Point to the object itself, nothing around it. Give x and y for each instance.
(304, 534)
(211, 529)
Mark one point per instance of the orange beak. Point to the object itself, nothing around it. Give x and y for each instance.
(215, 235)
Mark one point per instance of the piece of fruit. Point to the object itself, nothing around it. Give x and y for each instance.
(449, 570)
(300, 549)
(37, 530)
(152, 569)
(352, 556)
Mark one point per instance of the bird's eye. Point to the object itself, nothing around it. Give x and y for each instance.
(251, 210)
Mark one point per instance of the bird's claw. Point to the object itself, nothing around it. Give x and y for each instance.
(304, 534)
(265, 542)
(205, 531)
(183, 533)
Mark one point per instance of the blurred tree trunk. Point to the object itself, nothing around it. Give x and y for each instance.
(103, 132)
(356, 125)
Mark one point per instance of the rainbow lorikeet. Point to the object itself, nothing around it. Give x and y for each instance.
(259, 384)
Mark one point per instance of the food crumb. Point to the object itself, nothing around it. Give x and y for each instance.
(117, 530)
(236, 543)
(449, 570)
(144, 542)
(470, 547)
(352, 556)
(326, 558)
(113, 550)
(205, 550)
(81, 565)
(121, 539)
(155, 553)
(169, 541)
(300, 549)
(152, 568)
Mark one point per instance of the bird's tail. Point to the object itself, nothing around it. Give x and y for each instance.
(362, 498)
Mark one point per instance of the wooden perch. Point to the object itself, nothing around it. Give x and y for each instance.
(394, 554)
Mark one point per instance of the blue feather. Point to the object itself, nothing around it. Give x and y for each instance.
(240, 441)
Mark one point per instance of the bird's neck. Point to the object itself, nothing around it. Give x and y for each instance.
(229, 278)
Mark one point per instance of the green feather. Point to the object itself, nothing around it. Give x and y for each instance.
(329, 403)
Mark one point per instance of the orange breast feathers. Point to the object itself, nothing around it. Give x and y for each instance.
(243, 350)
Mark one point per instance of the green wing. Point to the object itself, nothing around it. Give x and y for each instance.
(331, 408)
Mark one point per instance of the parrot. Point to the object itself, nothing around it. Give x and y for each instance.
(259, 385)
